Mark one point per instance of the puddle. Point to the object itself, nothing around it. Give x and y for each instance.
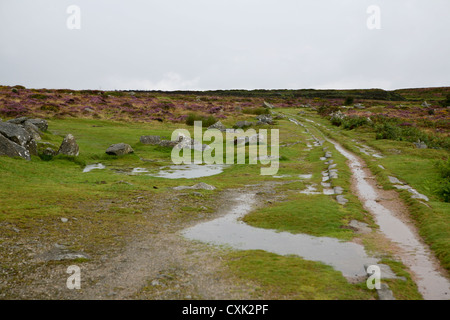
(347, 257)
(417, 256)
(311, 189)
(139, 170)
(189, 171)
(91, 167)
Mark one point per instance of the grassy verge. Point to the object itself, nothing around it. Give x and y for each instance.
(290, 277)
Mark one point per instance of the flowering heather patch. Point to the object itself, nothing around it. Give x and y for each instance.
(159, 106)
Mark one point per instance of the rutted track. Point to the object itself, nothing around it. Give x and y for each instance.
(414, 253)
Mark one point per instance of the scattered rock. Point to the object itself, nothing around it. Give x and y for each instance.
(360, 227)
(119, 149)
(49, 152)
(394, 180)
(69, 146)
(384, 293)
(188, 143)
(19, 135)
(168, 143)
(385, 272)
(415, 193)
(264, 119)
(341, 199)
(201, 185)
(243, 124)
(154, 140)
(249, 139)
(12, 149)
(420, 144)
(338, 190)
(64, 220)
(268, 105)
(359, 106)
(425, 104)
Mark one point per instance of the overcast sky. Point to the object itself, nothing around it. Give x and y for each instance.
(224, 44)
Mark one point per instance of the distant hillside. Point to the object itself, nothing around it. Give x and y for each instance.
(364, 94)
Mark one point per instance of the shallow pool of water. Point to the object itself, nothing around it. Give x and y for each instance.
(347, 257)
(189, 171)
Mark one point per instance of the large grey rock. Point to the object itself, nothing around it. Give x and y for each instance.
(218, 125)
(18, 120)
(119, 149)
(32, 130)
(19, 135)
(154, 140)
(41, 124)
(69, 146)
(12, 149)
(15, 133)
(264, 119)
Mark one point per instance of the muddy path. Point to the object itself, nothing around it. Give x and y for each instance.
(156, 263)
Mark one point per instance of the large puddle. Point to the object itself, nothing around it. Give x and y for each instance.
(190, 171)
(417, 255)
(229, 231)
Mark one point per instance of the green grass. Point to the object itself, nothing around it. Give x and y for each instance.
(40, 192)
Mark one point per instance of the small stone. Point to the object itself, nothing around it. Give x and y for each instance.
(341, 199)
(64, 220)
(155, 283)
(338, 190)
(394, 180)
(384, 293)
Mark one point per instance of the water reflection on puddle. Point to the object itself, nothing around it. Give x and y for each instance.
(347, 257)
(189, 171)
